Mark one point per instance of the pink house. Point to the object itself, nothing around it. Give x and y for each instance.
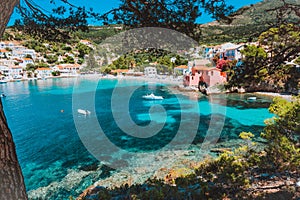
(211, 76)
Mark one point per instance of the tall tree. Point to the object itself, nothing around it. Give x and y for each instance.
(6, 7)
(11, 179)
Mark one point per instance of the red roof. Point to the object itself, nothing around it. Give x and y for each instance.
(43, 69)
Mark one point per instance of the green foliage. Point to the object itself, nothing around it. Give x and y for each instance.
(67, 48)
(41, 65)
(51, 58)
(31, 67)
(36, 45)
(252, 52)
(83, 50)
(263, 66)
(98, 34)
(297, 61)
(143, 58)
(69, 59)
(8, 49)
(283, 133)
(246, 135)
(175, 14)
(55, 73)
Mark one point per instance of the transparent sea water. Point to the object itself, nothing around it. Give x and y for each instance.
(55, 161)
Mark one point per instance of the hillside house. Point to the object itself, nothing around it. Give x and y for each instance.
(211, 76)
(22, 53)
(4, 70)
(7, 62)
(150, 72)
(16, 72)
(181, 70)
(231, 51)
(25, 62)
(43, 72)
(68, 69)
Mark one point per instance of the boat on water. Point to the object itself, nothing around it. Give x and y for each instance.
(84, 112)
(251, 98)
(152, 97)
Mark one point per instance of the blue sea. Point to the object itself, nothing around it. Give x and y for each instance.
(62, 152)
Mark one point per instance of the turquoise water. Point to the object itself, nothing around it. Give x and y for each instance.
(41, 117)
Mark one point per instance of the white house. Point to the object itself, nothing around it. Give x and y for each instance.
(16, 72)
(4, 70)
(43, 72)
(26, 61)
(68, 69)
(7, 62)
(150, 72)
(21, 53)
(4, 53)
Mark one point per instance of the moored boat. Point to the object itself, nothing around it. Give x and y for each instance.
(152, 97)
(84, 112)
(251, 98)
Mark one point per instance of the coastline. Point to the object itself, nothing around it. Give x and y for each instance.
(287, 97)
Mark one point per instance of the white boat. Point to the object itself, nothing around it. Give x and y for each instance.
(152, 97)
(251, 98)
(84, 112)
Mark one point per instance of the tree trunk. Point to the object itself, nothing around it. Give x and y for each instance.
(11, 179)
(6, 9)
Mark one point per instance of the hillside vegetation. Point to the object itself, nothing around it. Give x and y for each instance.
(247, 23)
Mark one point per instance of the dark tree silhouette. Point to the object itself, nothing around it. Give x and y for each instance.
(179, 15)
(11, 179)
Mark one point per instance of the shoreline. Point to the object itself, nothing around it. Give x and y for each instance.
(287, 97)
(176, 83)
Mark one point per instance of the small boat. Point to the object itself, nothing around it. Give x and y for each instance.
(2, 95)
(152, 97)
(251, 98)
(84, 112)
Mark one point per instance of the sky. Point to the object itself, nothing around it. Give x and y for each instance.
(103, 6)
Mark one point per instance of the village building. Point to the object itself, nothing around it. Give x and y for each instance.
(4, 70)
(16, 72)
(181, 70)
(150, 71)
(25, 62)
(67, 69)
(7, 62)
(200, 72)
(43, 72)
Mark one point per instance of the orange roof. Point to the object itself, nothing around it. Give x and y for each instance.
(27, 59)
(3, 50)
(182, 67)
(43, 69)
(84, 41)
(16, 67)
